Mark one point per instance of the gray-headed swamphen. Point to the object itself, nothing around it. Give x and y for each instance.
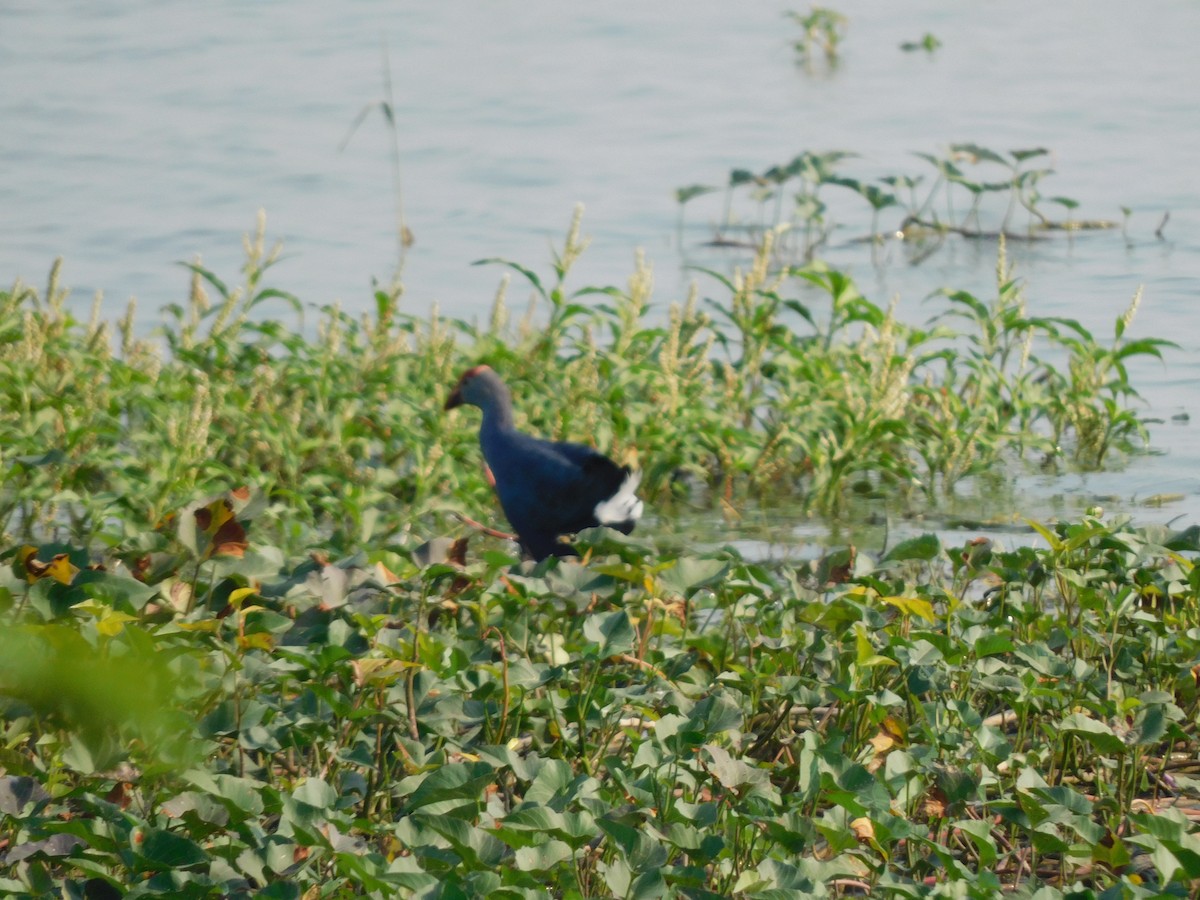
(547, 488)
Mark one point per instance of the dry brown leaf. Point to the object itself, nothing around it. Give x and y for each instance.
(864, 829)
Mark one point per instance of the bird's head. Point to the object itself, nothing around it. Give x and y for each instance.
(478, 386)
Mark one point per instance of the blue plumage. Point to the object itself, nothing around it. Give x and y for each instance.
(547, 488)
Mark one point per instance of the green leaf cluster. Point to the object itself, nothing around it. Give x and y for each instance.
(971, 720)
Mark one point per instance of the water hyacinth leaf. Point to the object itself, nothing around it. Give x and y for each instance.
(116, 591)
(316, 792)
(1112, 851)
(714, 714)
(1046, 839)
(543, 857)
(478, 847)
(166, 848)
(731, 772)
(648, 885)
(995, 644)
(18, 793)
(925, 547)
(1150, 725)
(689, 574)
(241, 796)
(53, 846)
(980, 832)
(1096, 733)
(454, 782)
(616, 875)
(639, 849)
(554, 776)
(612, 633)
(204, 807)
(527, 826)
(776, 878)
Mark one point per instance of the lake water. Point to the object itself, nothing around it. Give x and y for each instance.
(137, 133)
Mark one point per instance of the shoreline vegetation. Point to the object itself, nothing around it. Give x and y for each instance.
(771, 384)
(241, 658)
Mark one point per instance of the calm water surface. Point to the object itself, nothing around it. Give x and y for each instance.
(136, 133)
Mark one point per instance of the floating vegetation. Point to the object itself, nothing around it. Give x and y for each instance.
(795, 201)
(216, 718)
(821, 29)
(929, 42)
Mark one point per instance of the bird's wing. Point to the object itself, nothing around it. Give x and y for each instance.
(552, 487)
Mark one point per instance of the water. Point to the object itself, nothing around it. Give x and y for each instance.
(134, 134)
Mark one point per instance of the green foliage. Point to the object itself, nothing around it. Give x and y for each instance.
(977, 193)
(968, 720)
(929, 42)
(821, 29)
(788, 384)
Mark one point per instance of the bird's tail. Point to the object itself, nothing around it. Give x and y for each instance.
(623, 508)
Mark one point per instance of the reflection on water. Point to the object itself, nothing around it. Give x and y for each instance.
(137, 134)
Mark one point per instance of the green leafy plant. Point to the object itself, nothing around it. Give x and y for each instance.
(407, 721)
(926, 219)
(785, 383)
(822, 29)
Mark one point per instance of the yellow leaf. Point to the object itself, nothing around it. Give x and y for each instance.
(895, 727)
(913, 606)
(882, 742)
(863, 828)
(59, 568)
(113, 623)
(210, 625)
(260, 640)
(892, 733)
(238, 595)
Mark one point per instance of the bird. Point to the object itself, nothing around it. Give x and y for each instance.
(547, 489)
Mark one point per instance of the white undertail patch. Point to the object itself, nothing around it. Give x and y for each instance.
(624, 505)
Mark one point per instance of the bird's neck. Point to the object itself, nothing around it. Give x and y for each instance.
(498, 417)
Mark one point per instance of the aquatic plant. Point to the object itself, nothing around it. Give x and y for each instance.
(788, 384)
(821, 28)
(221, 719)
(926, 215)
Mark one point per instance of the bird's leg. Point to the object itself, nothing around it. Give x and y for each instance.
(479, 526)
